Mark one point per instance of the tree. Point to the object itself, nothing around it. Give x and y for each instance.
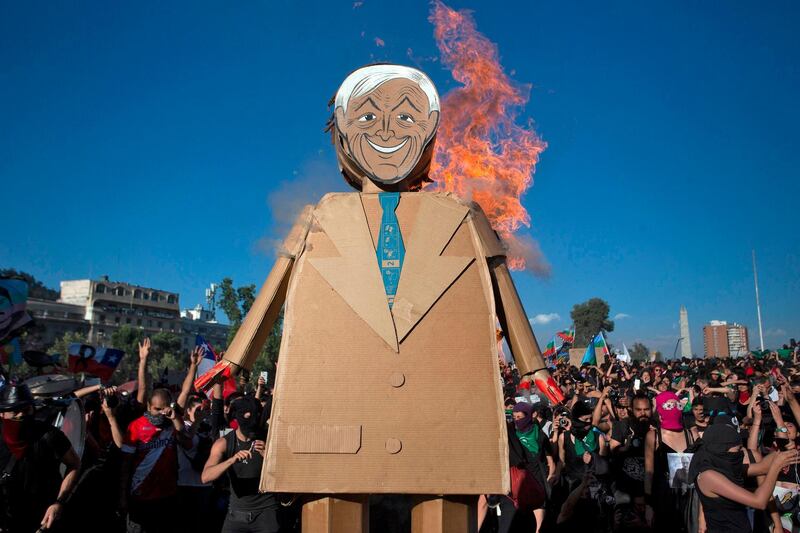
(36, 289)
(127, 339)
(639, 352)
(659, 356)
(589, 318)
(235, 303)
(61, 346)
(165, 352)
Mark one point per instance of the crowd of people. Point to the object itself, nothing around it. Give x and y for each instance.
(681, 446)
(155, 460)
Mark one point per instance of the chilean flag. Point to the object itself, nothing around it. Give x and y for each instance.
(100, 362)
(209, 356)
(206, 366)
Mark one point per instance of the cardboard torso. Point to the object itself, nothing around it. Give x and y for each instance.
(373, 400)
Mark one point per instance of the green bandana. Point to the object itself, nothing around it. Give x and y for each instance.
(530, 439)
(586, 444)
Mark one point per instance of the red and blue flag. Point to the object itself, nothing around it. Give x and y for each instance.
(100, 362)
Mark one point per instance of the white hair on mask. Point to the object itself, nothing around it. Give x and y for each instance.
(367, 79)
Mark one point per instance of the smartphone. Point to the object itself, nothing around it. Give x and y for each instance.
(637, 384)
(265, 374)
(773, 394)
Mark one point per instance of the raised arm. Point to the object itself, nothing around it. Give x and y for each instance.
(188, 381)
(713, 483)
(755, 430)
(144, 353)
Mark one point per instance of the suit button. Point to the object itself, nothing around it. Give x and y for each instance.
(397, 379)
(393, 445)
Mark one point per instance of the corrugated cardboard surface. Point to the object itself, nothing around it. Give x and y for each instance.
(492, 245)
(429, 407)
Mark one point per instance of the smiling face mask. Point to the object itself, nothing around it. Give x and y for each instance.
(385, 117)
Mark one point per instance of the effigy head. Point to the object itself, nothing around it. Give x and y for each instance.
(385, 119)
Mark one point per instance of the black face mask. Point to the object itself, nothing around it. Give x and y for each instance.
(159, 421)
(734, 459)
(580, 428)
(245, 412)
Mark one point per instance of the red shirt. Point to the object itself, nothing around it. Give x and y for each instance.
(155, 461)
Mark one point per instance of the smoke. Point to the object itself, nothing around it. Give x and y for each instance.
(315, 178)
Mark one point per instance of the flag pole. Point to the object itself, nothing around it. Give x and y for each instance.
(758, 302)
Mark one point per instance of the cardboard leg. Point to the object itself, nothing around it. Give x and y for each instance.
(340, 514)
(445, 514)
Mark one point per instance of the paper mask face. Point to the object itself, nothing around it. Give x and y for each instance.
(386, 116)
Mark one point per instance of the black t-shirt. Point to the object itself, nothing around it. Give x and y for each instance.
(35, 479)
(245, 478)
(628, 465)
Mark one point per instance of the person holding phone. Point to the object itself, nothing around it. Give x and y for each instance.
(239, 455)
(719, 473)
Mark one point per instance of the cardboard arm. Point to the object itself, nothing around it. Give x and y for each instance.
(519, 334)
(257, 325)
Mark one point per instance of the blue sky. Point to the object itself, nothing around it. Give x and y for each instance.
(164, 144)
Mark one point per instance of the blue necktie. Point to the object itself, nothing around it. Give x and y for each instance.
(390, 247)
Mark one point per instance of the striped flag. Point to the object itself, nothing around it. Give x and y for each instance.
(599, 342)
(550, 349)
(567, 335)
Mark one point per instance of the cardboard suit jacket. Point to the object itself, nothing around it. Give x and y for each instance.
(373, 400)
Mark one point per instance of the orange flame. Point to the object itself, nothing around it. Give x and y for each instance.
(482, 154)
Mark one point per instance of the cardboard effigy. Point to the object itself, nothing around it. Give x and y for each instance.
(392, 296)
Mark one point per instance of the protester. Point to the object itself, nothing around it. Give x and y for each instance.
(666, 506)
(150, 470)
(608, 459)
(628, 451)
(581, 446)
(539, 457)
(239, 455)
(719, 472)
(33, 492)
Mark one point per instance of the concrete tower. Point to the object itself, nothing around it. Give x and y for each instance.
(686, 342)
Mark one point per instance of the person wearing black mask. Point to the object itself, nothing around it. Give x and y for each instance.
(627, 451)
(579, 446)
(718, 471)
(240, 455)
(32, 490)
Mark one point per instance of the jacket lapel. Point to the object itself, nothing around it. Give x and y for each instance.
(426, 273)
(354, 275)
